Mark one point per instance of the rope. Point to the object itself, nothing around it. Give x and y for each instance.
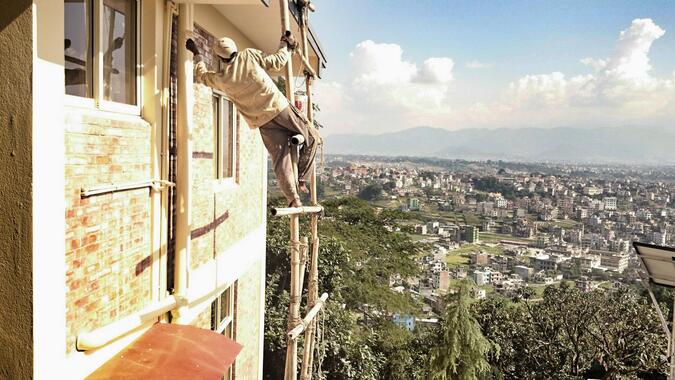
(319, 347)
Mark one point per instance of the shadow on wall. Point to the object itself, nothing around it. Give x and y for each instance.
(11, 10)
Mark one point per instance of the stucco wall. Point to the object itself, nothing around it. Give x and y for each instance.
(16, 291)
(248, 329)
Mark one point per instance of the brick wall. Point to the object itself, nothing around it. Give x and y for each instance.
(222, 216)
(107, 236)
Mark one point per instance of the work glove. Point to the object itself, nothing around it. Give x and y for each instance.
(289, 40)
(191, 46)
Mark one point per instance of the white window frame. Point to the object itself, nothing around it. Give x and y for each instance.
(97, 101)
(222, 182)
(223, 322)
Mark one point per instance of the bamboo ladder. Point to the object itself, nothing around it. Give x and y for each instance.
(299, 247)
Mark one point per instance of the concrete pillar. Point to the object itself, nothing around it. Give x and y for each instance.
(32, 238)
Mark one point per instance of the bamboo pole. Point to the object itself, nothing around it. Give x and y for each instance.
(282, 211)
(285, 27)
(303, 260)
(295, 286)
(309, 318)
(294, 305)
(313, 286)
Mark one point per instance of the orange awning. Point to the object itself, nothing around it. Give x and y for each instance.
(169, 351)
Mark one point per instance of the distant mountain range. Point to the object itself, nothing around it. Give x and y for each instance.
(638, 145)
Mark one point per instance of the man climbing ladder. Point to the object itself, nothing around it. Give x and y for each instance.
(245, 80)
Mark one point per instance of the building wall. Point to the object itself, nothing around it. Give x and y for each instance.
(228, 212)
(108, 253)
(208, 18)
(16, 105)
(222, 212)
(248, 329)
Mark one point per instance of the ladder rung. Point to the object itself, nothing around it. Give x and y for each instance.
(297, 330)
(281, 211)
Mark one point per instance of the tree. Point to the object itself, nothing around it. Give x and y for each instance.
(371, 192)
(463, 348)
(357, 256)
(569, 334)
(388, 186)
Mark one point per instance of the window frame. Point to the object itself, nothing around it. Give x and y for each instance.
(221, 181)
(221, 324)
(97, 101)
(223, 320)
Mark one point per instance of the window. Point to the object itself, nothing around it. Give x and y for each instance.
(101, 48)
(78, 52)
(222, 313)
(222, 318)
(225, 119)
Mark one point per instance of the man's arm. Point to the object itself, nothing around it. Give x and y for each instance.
(202, 73)
(272, 62)
(277, 61)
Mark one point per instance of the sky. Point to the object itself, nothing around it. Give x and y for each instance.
(395, 64)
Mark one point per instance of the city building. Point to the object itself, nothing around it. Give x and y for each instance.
(471, 234)
(523, 271)
(414, 204)
(479, 258)
(140, 195)
(405, 321)
(482, 277)
(609, 203)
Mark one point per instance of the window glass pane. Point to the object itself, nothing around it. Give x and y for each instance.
(118, 35)
(216, 140)
(77, 45)
(228, 140)
(214, 315)
(225, 305)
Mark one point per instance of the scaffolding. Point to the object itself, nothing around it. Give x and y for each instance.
(300, 247)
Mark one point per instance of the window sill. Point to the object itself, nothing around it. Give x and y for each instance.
(103, 105)
(83, 108)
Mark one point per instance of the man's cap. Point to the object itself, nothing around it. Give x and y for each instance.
(225, 47)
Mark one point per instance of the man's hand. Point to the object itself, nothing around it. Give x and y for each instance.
(289, 40)
(191, 46)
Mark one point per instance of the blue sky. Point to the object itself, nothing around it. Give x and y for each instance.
(515, 41)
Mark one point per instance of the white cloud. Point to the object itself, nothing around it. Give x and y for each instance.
(478, 65)
(389, 92)
(384, 81)
(379, 64)
(621, 84)
(436, 70)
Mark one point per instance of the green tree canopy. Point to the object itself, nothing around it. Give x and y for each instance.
(462, 351)
(371, 192)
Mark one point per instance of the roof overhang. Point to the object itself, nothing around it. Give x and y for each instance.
(260, 21)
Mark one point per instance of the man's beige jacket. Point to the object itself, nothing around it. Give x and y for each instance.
(248, 86)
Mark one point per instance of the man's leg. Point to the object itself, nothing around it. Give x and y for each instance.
(276, 139)
(295, 124)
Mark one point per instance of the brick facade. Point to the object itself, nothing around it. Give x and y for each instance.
(107, 236)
